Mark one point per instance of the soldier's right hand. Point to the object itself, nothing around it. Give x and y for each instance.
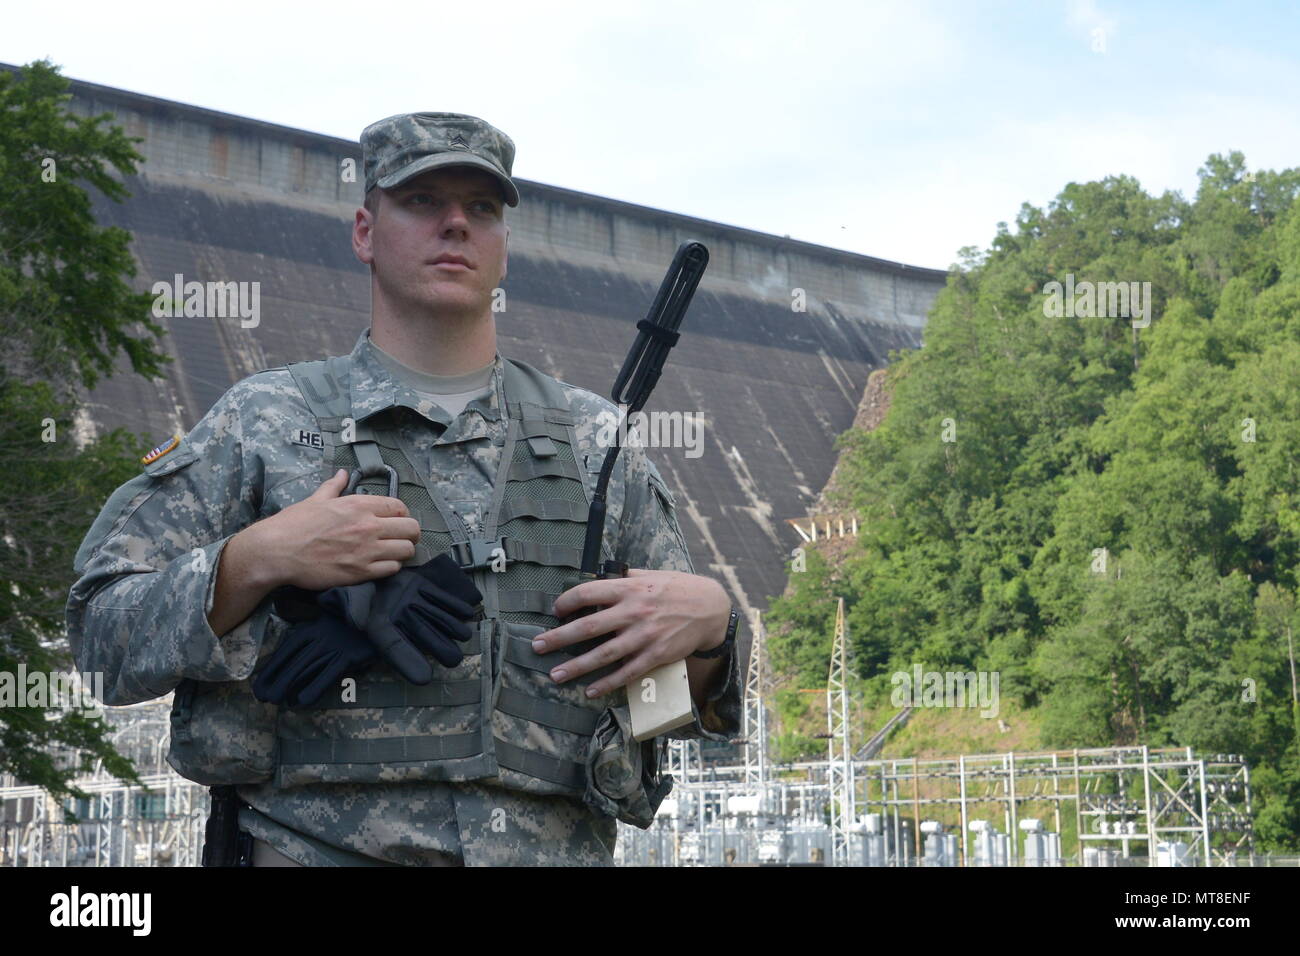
(326, 541)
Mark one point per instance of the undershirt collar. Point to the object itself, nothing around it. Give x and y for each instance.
(468, 383)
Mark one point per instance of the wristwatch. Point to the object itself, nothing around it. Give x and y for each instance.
(727, 645)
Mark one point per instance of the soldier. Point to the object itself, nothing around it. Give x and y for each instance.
(472, 473)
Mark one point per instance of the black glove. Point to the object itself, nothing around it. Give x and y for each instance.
(421, 611)
(316, 654)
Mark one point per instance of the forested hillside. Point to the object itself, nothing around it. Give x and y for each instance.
(1021, 442)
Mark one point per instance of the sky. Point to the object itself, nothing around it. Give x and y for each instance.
(902, 130)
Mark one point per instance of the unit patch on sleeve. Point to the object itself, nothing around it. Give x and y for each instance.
(163, 449)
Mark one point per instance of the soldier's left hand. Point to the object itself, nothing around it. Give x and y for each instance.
(658, 616)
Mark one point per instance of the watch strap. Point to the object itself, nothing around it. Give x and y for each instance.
(728, 644)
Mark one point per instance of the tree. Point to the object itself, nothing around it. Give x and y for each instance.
(67, 313)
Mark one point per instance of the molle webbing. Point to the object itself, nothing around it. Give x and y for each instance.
(320, 750)
(540, 766)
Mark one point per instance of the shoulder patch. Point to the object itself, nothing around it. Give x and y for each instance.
(169, 458)
(165, 448)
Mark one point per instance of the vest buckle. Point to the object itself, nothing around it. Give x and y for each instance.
(479, 552)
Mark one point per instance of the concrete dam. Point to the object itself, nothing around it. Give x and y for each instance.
(225, 198)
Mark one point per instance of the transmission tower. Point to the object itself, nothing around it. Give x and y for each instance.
(755, 726)
(839, 763)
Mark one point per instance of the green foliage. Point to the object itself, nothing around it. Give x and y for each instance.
(806, 645)
(66, 313)
(1107, 515)
(64, 307)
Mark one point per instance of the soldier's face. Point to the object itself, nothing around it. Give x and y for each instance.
(457, 211)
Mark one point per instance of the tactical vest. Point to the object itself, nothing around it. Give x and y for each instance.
(497, 715)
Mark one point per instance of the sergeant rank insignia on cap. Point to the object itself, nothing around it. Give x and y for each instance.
(163, 449)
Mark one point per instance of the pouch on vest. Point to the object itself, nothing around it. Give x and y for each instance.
(623, 778)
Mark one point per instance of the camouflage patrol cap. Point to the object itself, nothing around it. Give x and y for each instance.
(399, 147)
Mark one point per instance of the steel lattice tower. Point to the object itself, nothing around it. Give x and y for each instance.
(755, 714)
(839, 760)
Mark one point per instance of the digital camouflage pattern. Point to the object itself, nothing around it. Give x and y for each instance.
(148, 567)
(399, 147)
(433, 824)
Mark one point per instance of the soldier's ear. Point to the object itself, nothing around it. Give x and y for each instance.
(362, 226)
